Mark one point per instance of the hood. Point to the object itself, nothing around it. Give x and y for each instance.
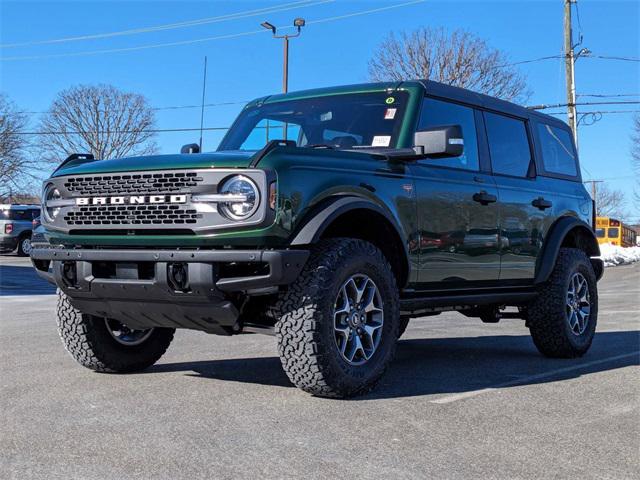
(227, 159)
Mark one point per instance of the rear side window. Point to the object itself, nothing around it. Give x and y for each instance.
(12, 214)
(436, 113)
(508, 145)
(558, 155)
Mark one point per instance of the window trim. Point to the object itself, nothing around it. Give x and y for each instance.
(481, 160)
(532, 147)
(541, 168)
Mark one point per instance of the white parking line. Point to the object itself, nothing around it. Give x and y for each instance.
(551, 373)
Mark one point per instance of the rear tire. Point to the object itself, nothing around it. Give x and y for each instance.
(317, 328)
(563, 317)
(89, 341)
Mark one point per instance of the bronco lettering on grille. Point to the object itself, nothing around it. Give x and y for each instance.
(131, 199)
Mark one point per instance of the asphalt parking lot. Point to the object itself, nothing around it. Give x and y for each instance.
(462, 400)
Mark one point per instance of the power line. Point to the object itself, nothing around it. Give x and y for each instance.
(171, 107)
(610, 57)
(207, 39)
(603, 112)
(172, 26)
(557, 105)
(613, 95)
(107, 132)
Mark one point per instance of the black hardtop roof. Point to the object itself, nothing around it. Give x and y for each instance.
(463, 95)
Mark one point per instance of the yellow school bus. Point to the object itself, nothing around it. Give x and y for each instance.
(610, 230)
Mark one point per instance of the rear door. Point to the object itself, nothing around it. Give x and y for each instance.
(524, 212)
(457, 205)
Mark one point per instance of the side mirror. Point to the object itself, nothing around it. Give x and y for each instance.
(445, 141)
(190, 148)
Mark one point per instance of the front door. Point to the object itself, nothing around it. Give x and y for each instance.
(457, 207)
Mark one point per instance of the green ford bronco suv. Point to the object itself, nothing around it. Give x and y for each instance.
(328, 218)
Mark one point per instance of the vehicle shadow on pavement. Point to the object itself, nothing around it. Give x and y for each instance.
(445, 365)
(23, 280)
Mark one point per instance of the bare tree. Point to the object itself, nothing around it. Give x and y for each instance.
(635, 157)
(100, 120)
(16, 167)
(459, 58)
(610, 203)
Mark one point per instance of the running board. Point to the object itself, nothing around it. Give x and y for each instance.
(443, 303)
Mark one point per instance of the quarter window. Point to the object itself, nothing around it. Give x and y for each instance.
(436, 113)
(508, 145)
(558, 155)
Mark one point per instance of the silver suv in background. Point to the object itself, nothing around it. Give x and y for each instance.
(15, 227)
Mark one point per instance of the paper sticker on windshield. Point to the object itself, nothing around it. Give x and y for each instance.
(390, 113)
(381, 141)
(325, 117)
(390, 100)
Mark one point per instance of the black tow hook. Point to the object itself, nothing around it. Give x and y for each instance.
(178, 277)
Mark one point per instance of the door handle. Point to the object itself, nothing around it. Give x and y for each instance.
(541, 203)
(484, 198)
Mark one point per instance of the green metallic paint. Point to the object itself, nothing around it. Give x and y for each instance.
(305, 178)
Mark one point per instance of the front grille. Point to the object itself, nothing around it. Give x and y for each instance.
(147, 216)
(173, 182)
(132, 215)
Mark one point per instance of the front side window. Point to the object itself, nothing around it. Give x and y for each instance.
(436, 113)
(349, 121)
(558, 155)
(508, 145)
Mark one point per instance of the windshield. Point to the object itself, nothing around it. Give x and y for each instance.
(337, 121)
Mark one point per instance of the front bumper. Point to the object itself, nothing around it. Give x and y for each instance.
(138, 287)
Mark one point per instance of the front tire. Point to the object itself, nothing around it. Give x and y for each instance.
(563, 317)
(24, 246)
(105, 345)
(338, 324)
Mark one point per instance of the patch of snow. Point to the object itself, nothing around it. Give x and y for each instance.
(613, 255)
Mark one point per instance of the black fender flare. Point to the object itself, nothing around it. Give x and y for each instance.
(323, 214)
(554, 240)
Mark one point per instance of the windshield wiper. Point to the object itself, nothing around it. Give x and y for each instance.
(320, 145)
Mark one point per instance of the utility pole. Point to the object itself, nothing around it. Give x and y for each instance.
(570, 71)
(594, 190)
(204, 90)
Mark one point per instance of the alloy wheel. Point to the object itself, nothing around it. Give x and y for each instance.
(578, 303)
(358, 319)
(125, 335)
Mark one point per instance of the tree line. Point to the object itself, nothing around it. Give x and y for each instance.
(108, 122)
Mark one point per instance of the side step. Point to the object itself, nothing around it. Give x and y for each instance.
(443, 303)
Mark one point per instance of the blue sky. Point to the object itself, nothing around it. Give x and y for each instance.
(328, 53)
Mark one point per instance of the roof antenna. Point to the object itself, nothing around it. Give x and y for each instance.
(204, 89)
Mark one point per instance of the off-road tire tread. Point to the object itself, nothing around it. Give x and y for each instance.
(297, 331)
(81, 341)
(546, 314)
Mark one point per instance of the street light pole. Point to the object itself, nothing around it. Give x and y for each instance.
(298, 23)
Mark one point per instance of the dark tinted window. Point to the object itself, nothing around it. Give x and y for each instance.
(508, 144)
(613, 233)
(436, 113)
(600, 232)
(558, 155)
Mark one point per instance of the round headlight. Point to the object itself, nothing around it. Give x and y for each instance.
(52, 193)
(246, 201)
